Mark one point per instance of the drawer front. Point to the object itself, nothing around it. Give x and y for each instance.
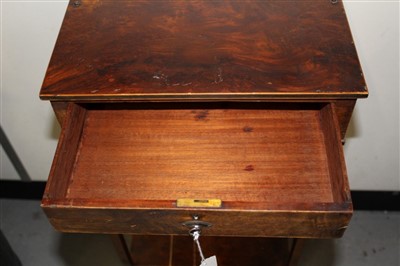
(298, 224)
(277, 169)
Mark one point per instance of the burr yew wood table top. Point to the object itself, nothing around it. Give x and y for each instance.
(185, 50)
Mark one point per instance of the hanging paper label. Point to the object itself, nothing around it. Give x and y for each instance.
(211, 261)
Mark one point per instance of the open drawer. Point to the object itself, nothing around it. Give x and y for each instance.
(248, 169)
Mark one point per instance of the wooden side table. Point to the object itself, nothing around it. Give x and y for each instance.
(222, 115)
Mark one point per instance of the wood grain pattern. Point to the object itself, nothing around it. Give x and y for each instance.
(337, 168)
(60, 110)
(274, 166)
(182, 50)
(202, 154)
(64, 159)
(344, 110)
(321, 220)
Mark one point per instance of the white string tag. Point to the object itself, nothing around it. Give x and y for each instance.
(211, 261)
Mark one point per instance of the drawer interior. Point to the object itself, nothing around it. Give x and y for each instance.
(251, 156)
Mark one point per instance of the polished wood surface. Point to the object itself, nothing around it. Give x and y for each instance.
(344, 110)
(60, 110)
(268, 163)
(202, 154)
(210, 50)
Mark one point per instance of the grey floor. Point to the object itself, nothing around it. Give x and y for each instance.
(373, 238)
